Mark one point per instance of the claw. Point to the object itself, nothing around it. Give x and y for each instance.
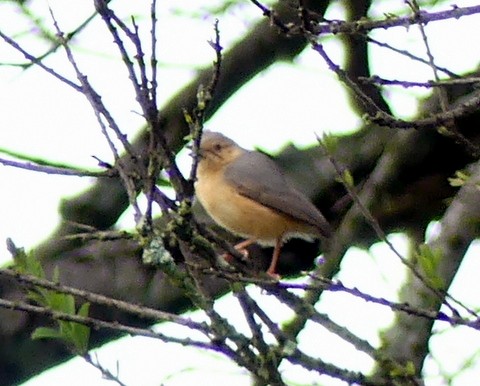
(229, 258)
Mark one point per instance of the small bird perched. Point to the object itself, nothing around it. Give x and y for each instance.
(246, 193)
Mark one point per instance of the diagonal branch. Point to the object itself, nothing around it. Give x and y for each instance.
(459, 227)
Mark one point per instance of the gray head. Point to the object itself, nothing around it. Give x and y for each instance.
(217, 151)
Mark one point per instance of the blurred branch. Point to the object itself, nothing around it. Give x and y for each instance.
(458, 230)
(357, 63)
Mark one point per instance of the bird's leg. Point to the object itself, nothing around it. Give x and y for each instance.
(241, 247)
(276, 253)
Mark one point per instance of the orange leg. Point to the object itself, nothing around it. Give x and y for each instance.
(241, 248)
(276, 254)
(244, 244)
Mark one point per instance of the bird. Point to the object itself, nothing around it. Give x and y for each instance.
(248, 194)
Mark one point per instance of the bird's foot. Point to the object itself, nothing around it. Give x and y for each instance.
(230, 259)
(273, 275)
(240, 247)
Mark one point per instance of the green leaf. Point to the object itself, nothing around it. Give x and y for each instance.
(81, 333)
(443, 130)
(188, 117)
(38, 296)
(56, 275)
(46, 333)
(410, 368)
(429, 260)
(163, 182)
(403, 371)
(62, 302)
(83, 310)
(329, 142)
(28, 264)
(460, 179)
(348, 178)
(72, 333)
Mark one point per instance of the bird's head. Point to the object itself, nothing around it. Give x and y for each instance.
(217, 151)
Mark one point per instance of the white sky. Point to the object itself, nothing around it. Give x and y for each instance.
(43, 117)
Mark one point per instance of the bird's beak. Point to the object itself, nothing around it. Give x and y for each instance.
(200, 152)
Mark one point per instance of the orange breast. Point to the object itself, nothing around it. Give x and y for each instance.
(242, 215)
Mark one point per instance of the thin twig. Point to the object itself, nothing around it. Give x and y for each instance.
(196, 126)
(101, 324)
(268, 369)
(363, 26)
(102, 113)
(106, 373)
(38, 62)
(372, 221)
(57, 170)
(450, 126)
(375, 79)
(273, 17)
(408, 54)
(138, 311)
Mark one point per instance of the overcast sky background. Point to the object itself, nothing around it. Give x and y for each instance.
(42, 117)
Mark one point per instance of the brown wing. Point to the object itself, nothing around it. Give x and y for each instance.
(259, 178)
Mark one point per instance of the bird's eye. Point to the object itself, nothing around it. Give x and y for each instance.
(217, 147)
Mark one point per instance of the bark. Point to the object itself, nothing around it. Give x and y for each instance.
(406, 342)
